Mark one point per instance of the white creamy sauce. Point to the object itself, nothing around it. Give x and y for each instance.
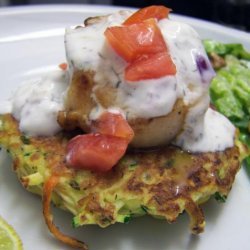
(214, 133)
(36, 103)
(87, 49)
(140, 99)
(185, 46)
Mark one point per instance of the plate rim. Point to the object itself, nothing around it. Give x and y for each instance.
(85, 8)
(99, 8)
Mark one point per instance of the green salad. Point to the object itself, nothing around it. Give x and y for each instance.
(230, 89)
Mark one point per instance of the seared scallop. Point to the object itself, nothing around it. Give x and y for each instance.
(154, 107)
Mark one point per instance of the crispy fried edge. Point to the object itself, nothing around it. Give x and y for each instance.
(48, 188)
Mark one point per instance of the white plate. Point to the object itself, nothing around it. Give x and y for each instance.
(31, 39)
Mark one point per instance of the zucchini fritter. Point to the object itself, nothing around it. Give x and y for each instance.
(162, 183)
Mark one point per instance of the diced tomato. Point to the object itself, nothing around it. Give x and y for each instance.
(95, 152)
(101, 150)
(130, 42)
(63, 66)
(113, 124)
(154, 11)
(154, 66)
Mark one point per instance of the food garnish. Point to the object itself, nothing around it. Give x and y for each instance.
(63, 66)
(102, 149)
(155, 11)
(97, 152)
(150, 66)
(9, 239)
(113, 124)
(140, 39)
(230, 89)
(141, 44)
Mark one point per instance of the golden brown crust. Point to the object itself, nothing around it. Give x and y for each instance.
(162, 183)
(48, 188)
(94, 20)
(79, 102)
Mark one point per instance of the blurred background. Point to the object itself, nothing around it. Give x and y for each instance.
(234, 13)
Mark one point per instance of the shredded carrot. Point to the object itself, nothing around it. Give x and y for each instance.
(48, 188)
(63, 66)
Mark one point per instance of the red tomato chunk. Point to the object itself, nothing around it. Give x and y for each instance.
(131, 42)
(95, 152)
(154, 11)
(154, 66)
(113, 124)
